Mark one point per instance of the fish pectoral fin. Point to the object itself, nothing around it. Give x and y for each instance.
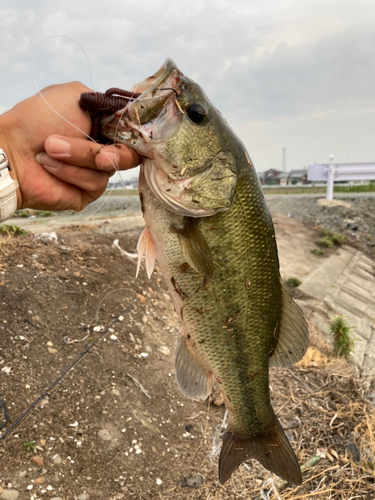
(192, 378)
(146, 246)
(195, 248)
(271, 448)
(293, 335)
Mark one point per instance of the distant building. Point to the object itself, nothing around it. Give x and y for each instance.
(273, 177)
(298, 177)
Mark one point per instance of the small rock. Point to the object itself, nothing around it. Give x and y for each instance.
(52, 350)
(131, 336)
(50, 344)
(84, 496)
(43, 442)
(57, 460)
(56, 498)
(44, 402)
(164, 350)
(39, 480)
(159, 481)
(37, 460)
(141, 298)
(105, 435)
(113, 337)
(44, 471)
(9, 495)
(21, 474)
(116, 392)
(144, 319)
(353, 450)
(193, 481)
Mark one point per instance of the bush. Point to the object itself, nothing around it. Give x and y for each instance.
(343, 336)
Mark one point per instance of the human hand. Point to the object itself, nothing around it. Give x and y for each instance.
(61, 171)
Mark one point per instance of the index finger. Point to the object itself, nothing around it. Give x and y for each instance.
(84, 153)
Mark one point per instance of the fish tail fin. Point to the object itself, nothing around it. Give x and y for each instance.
(271, 448)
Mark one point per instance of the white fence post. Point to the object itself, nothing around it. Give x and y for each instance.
(330, 178)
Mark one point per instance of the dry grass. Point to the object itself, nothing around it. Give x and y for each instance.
(322, 406)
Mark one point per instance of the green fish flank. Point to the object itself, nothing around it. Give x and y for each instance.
(216, 247)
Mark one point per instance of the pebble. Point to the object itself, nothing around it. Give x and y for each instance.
(159, 481)
(116, 392)
(141, 298)
(193, 481)
(56, 498)
(43, 442)
(39, 480)
(57, 460)
(37, 460)
(52, 350)
(84, 496)
(105, 435)
(10, 495)
(164, 350)
(50, 344)
(22, 474)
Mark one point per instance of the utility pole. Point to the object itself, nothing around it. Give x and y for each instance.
(284, 159)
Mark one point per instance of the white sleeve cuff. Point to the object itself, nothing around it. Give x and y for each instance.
(8, 196)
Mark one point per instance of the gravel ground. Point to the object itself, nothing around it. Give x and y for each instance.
(350, 215)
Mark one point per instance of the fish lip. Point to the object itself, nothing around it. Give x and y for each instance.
(125, 120)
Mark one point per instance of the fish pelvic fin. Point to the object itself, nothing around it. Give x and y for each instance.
(293, 334)
(271, 448)
(146, 246)
(192, 378)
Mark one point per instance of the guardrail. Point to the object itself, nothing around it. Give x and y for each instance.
(340, 172)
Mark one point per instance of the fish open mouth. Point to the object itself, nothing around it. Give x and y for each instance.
(119, 114)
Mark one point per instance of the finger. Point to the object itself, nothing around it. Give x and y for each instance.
(84, 153)
(84, 178)
(116, 156)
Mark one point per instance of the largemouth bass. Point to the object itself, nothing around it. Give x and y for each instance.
(209, 227)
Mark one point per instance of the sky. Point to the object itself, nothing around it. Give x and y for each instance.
(287, 74)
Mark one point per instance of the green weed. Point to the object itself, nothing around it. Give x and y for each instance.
(28, 446)
(325, 242)
(318, 251)
(342, 335)
(8, 229)
(293, 282)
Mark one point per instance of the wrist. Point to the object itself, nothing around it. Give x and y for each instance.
(10, 150)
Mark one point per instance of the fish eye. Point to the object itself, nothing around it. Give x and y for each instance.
(196, 112)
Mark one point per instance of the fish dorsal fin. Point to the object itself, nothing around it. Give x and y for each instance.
(195, 248)
(146, 246)
(293, 336)
(192, 378)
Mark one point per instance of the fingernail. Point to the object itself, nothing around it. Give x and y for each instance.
(59, 147)
(108, 160)
(47, 161)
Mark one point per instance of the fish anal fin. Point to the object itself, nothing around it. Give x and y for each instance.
(146, 246)
(271, 448)
(293, 335)
(192, 378)
(195, 248)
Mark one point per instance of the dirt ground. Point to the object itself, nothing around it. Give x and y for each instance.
(116, 427)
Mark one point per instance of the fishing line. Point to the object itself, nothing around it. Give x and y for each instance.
(59, 379)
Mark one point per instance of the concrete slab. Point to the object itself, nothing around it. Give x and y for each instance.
(345, 284)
